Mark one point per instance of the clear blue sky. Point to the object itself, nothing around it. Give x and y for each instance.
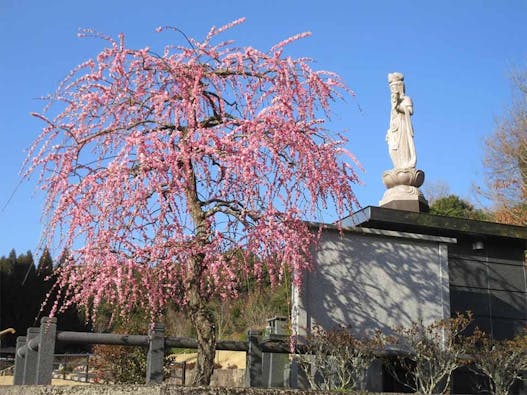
(456, 55)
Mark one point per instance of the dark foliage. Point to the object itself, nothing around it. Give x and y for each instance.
(454, 206)
(23, 291)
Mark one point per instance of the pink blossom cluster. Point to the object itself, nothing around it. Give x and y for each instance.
(199, 165)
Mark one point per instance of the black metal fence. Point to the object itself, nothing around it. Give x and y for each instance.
(67, 365)
(35, 352)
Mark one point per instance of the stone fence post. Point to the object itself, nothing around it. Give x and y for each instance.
(156, 354)
(31, 357)
(46, 350)
(18, 378)
(253, 370)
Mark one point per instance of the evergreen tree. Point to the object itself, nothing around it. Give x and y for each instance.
(454, 206)
(23, 291)
(45, 265)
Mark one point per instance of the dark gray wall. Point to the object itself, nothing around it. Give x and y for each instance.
(490, 282)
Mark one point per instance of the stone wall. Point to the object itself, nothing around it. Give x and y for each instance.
(223, 377)
(162, 389)
(490, 282)
(374, 279)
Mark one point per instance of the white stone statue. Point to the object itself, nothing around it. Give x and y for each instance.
(403, 181)
(400, 135)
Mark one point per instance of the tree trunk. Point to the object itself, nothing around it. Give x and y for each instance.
(203, 322)
(202, 319)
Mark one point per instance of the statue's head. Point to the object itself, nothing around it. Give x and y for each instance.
(396, 81)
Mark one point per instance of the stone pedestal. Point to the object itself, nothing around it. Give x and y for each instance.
(403, 190)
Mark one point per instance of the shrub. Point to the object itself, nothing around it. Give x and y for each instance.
(336, 359)
(119, 364)
(501, 361)
(433, 352)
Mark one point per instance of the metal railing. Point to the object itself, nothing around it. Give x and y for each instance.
(66, 366)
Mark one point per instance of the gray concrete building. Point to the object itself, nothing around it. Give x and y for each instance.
(386, 268)
(390, 267)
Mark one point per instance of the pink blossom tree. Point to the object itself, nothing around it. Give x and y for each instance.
(170, 176)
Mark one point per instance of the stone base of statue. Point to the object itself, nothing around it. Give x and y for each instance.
(403, 190)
